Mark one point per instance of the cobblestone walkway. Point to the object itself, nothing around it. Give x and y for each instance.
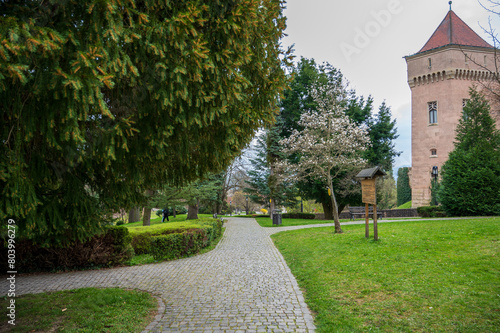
(244, 285)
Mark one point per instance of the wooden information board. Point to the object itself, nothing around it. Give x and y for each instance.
(368, 191)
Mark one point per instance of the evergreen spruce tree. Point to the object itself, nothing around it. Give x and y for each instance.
(103, 100)
(263, 186)
(471, 176)
(403, 186)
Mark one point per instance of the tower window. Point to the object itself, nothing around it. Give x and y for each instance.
(434, 152)
(430, 63)
(485, 61)
(432, 112)
(466, 58)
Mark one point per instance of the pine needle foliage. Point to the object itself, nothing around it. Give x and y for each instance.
(471, 176)
(103, 99)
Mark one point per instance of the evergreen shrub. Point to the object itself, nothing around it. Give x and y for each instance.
(431, 211)
(177, 243)
(110, 248)
(305, 216)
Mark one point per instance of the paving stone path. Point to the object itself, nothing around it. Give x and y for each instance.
(244, 285)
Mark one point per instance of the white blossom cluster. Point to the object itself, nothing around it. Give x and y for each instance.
(329, 141)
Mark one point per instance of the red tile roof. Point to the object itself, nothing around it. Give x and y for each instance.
(454, 31)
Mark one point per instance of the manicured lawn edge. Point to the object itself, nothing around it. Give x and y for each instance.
(422, 276)
(111, 310)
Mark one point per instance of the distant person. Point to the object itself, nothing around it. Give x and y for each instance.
(165, 215)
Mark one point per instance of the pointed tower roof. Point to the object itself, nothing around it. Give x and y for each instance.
(454, 31)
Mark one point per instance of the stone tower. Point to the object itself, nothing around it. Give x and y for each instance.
(439, 75)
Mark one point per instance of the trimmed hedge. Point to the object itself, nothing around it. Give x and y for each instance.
(431, 211)
(141, 242)
(111, 248)
(305, 216)
(176, 243)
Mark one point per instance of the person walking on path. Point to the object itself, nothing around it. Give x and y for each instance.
(165, 215)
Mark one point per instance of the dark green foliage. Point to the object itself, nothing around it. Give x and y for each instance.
(435, 185)
(102, 101)
(431, 211)
(108, 249)
(174, 246)
(403, 186)
(305, 216)
(471, 177)
(177, 243)
(382, 131)
(262, 185)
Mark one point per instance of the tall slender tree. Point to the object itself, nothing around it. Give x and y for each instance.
(403, 186)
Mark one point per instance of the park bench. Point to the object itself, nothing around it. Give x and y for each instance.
(354, 211)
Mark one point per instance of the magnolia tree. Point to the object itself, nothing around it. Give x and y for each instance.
(329, 144)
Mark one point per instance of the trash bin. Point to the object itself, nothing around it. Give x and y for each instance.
(276, 217)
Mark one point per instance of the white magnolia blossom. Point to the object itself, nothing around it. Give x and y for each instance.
(329, 142)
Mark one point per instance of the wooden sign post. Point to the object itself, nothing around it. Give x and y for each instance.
(369, 196)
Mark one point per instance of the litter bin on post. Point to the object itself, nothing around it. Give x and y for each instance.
(276, 217)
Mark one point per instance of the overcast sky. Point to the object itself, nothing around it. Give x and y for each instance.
(367, 40)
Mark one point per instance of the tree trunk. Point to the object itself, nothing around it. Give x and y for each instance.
(271, 208)
(193, 211)
(174, 212)
(327, 208)
(134, 215)
(335, 208)
(146, 221)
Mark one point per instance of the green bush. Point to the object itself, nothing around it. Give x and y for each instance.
(431, 211)
(110, 248)
(305, 216)
(153, 242)
(174, 246)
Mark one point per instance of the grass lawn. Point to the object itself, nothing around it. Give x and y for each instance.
(157, 219)
(422, 276)
(82, 310)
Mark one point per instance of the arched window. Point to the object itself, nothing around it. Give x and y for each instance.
(432, 112)
(434, 152)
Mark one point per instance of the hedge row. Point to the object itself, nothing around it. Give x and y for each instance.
(177, 243)
(108, 249)
(431, 211)
(305, 216)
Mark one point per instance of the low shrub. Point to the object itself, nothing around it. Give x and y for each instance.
(174, 246)
(431, 211)
(261, 215)
(108, 249)
(305, 216)
(152, 240)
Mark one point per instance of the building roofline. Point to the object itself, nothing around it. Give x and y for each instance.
(458, 46)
